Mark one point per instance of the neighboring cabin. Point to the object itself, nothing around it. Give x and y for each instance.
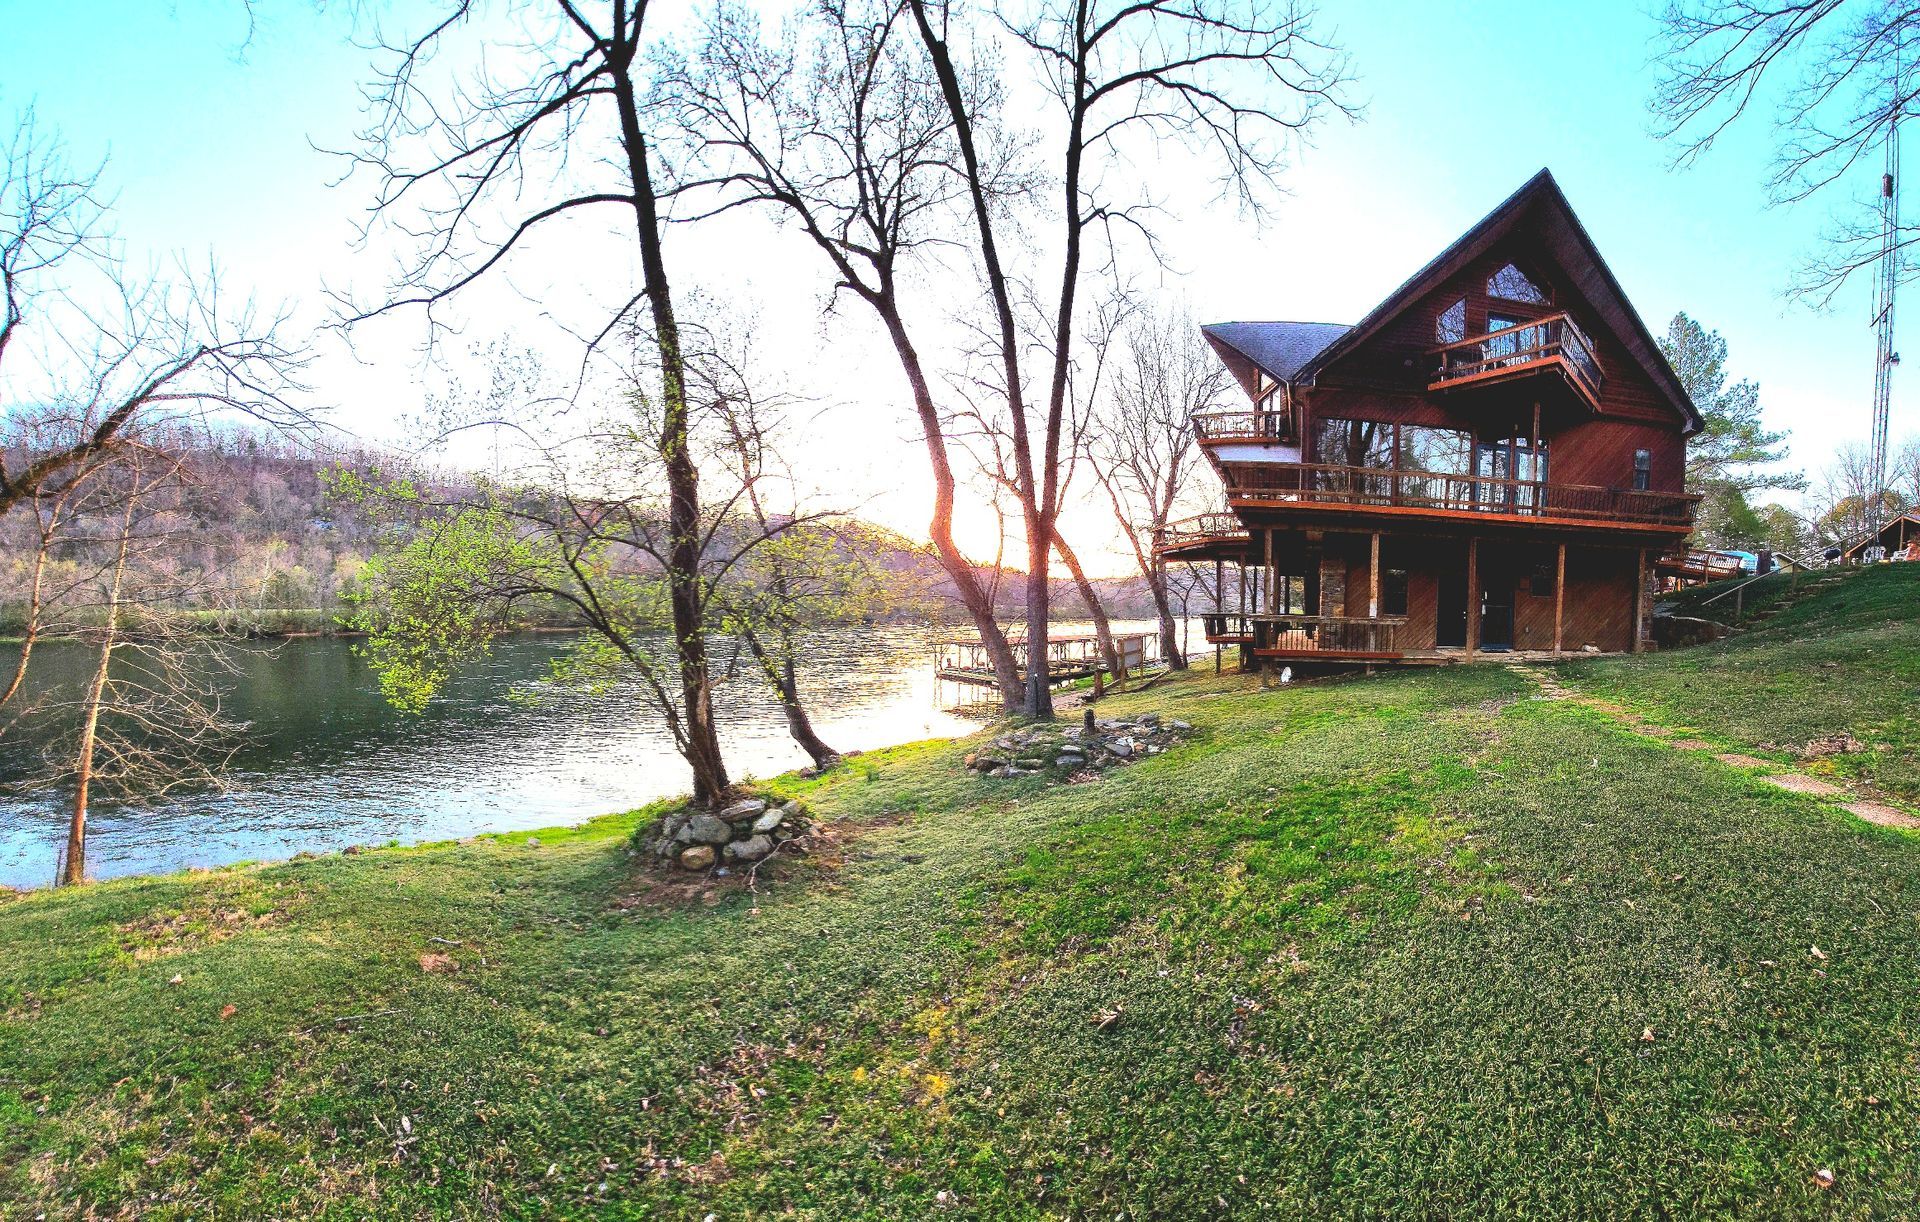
(1493, 458)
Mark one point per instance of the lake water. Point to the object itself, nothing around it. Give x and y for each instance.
(327, 764)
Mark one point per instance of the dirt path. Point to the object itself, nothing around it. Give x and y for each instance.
(1849, 798)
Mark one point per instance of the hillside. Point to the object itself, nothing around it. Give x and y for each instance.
(278, 553)
(1421, 945)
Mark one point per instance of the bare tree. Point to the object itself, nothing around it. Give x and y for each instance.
(842, 132)
(1833, 73)
(1144, 451)
(878, 172)
(1233, 81)
(1840, 503)
(550, 129)
(92, 358)
(148, 720)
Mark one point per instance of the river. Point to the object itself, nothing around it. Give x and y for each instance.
(325, 763)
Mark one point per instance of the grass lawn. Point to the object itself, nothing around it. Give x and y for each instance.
(1845, 660)
(1416, 945)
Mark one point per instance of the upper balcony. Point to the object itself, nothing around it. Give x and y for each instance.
(1381, 492)
(1206, 536)
(1553, 346)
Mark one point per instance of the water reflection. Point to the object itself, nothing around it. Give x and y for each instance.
(327, 764)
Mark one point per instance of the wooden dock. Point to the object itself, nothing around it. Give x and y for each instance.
(964, 661)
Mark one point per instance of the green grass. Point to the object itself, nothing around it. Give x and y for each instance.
(1844, 659)
(1380, 947)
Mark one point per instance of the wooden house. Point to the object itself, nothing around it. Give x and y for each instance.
(1895, 541)
(1492, 459)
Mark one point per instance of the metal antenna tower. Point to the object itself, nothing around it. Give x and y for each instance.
(1885, 358)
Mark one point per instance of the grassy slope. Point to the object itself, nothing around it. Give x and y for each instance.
(1845, 659)
(1388, 946)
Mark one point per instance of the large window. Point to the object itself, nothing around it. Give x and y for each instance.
(1512, 284)
(1451, 327)
(1446, 451)
(1642, 470)
(1509, 467)
(1353, 443)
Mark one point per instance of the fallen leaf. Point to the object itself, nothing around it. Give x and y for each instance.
(177, 979)
(228, 1011)
(1824, 1177)
(1817, 952)
(1104, 1019)
(1646, 1035)
(438, 964)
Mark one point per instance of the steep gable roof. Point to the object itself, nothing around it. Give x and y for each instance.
(1541, 205)
(1277, 349)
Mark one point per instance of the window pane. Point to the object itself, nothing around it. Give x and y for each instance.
(1452, 326)
(1511, 284)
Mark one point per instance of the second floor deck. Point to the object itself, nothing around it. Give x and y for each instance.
(1435, 492)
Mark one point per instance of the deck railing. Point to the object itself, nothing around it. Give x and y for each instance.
(1201, 528)
(1485, 357)
(1321, 483)
(1309, 634)
(1240, 426)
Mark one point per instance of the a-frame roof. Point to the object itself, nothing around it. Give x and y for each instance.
(1543, 208)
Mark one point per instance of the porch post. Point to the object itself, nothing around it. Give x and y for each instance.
(1559, 600)
(1373, 596)
(1273, 582)
(1640, 601)
(1473, 595)
(1219, 600)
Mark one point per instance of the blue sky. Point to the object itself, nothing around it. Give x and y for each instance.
(209, 137)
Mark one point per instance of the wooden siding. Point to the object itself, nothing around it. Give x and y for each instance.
(1597, 608)
(1385, 379)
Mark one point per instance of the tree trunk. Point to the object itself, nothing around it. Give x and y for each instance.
(74, 872)
(1163, 610)
(702, 749)
(1039, 554)
(1102, 629)
(959, 569)
(1036, 509)
(785, 683)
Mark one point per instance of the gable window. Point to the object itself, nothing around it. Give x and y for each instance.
(1512, 284)
(1642, 470)
(1451, 327)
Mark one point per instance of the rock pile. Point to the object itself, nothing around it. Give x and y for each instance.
(737, 835)
(1084, 749)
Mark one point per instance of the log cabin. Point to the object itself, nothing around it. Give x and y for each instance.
(1492, 460)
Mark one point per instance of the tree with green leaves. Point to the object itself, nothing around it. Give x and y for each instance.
(1735, 456)
(586, 528)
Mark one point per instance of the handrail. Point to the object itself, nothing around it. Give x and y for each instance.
(1523, 344)
(1215, 525)
(1240, 426)
(1395, 487)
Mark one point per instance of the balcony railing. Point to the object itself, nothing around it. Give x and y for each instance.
(1288, 635)
(1241, 426)
(1201, 528)
(1319, 483)
(1555, 340)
